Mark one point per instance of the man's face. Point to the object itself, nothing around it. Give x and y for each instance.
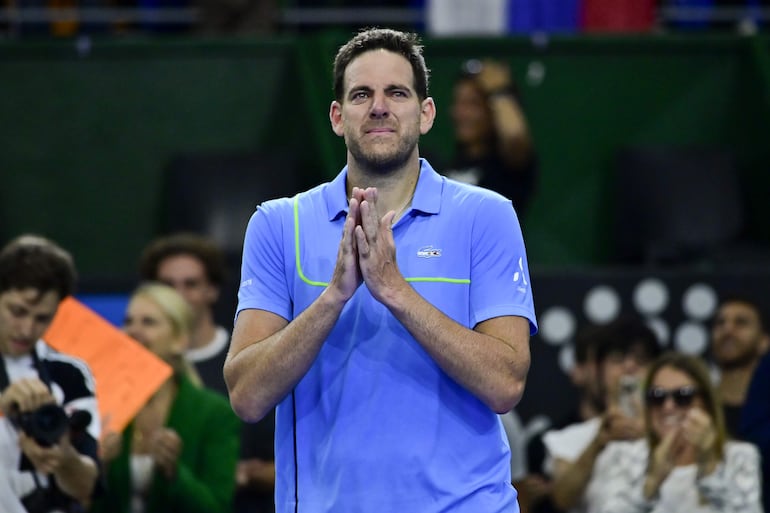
(737, 338)
(187, 275)
(381, 116)
(24, 317)
(470, 114)
(618, 365)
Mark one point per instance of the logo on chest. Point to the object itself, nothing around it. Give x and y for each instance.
(429, 252)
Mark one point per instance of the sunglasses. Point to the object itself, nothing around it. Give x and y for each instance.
(682, 397)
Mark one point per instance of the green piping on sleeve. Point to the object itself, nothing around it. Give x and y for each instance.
(296, 248)
(324, 284)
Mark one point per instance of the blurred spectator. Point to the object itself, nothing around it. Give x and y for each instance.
(755, 422)
(537, 484)
(685, 462)
(195, 266)
(179, 452)
(493, 145)
(622, 359)
(45, 461)
(738, 340)
(584, 373)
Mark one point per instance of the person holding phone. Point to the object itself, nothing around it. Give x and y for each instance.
(685, 461)
(624, 350)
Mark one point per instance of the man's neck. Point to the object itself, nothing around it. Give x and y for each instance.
(394, 190)
(204, 332)
(734, 383)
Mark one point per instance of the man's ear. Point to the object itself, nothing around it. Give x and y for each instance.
(335, 116)
(427, 115)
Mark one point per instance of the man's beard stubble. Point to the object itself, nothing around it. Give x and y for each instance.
(381, 163)
(739, 361)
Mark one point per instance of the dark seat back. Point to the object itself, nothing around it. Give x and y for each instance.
(676, 205)
(214, 194)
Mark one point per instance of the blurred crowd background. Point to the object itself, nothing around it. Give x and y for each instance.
(440, 17)
(126, 120)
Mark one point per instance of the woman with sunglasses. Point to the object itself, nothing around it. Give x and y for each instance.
(685, 462)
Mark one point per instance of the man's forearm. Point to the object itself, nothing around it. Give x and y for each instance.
(571, 482)
(493, 370)
(262, 372)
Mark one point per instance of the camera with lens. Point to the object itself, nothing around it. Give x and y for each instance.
(45, 425)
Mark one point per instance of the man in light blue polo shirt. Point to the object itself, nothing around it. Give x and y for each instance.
(387, 313)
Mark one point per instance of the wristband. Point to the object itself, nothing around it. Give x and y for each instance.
(500, 92)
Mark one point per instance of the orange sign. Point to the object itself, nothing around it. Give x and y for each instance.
(126, 373)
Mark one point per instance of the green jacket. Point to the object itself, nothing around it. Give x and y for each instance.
(205, 479)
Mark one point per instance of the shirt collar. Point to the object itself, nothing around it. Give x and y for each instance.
(427, 194)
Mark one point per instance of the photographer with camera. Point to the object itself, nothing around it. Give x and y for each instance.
(48, 445)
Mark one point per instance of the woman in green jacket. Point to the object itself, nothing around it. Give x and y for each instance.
(180, 451)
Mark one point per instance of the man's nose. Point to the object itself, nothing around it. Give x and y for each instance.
(27, 327)
(379, 106)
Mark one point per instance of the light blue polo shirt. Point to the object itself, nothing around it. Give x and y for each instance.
(375, 424)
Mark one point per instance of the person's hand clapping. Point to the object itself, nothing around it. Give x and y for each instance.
(110, 446)
(662, 461)
(165, 448)
(698, 429)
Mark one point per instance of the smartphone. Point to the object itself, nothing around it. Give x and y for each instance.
(630, 396)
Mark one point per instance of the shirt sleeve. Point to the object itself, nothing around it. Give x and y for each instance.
(264, 284)
(500, 281)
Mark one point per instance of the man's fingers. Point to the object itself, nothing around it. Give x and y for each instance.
(369, 221)
(362, 244)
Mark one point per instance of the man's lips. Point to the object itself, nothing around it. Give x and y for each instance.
(21, 343)
(380, 130)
